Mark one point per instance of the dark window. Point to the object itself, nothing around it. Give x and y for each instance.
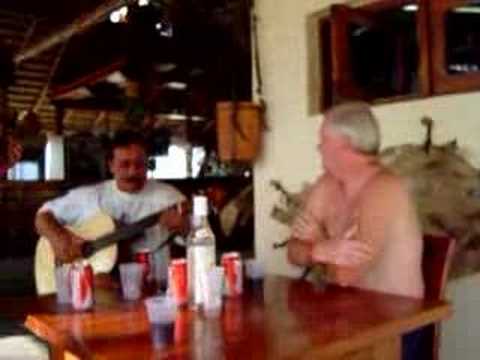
(389, 50)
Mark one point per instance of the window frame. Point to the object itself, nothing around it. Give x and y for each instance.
(433, 78)
(443, 82)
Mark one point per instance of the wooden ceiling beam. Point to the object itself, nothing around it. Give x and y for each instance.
(89, 79)
(22, 105)
(92, 104)
(22, 90)
(32, 66)
(59, 117)
(29, 83)
(25, 74)
(20, 98)
(11, 34)
(82, 23)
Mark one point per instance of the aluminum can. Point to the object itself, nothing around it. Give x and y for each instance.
(82, 285)
(232, 264)
(178, 281)
(144, 257)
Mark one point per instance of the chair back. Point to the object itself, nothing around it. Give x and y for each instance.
(437, 258)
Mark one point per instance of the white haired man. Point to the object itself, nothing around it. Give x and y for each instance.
(359, 218)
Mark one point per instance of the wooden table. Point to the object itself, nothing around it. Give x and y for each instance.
(287, 319)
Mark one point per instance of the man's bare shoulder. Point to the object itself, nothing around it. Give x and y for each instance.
(322, 186)
(386, 187)
(386, 180)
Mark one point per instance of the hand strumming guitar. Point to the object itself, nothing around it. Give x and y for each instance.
(175, 219)
(66, 245)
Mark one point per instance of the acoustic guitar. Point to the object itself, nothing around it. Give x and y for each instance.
(100, 250)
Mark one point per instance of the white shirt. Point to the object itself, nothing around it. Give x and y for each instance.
(81, 203)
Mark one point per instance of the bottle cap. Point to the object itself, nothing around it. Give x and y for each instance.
(200, 205)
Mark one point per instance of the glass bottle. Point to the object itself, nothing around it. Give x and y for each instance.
(200, 251)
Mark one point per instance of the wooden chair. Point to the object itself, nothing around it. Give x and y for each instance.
(437, 258)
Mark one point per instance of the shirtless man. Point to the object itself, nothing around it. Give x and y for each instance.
(359, 219)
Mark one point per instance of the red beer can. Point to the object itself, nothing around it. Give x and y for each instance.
(144, 257)
(178, 281)
(82, 285)
(232, 264)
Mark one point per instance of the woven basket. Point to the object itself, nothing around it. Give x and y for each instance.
(239, 127)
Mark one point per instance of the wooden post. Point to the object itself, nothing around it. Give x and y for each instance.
(59, 120)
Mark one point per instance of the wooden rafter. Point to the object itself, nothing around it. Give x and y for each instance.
(87, 80)
(44, 92)
(79, 25)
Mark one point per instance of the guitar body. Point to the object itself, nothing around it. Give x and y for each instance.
(102, 261)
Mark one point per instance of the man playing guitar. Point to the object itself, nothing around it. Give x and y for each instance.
(128, 197)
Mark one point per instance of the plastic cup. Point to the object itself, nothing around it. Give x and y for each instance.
(161, 312)
(62, 283)
(212, 304)
(131, 276)
(254, 270)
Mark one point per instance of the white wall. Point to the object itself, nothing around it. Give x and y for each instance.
(54, 158)
(289, 153)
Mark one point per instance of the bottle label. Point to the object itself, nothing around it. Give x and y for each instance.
(202, 261)
(202, 233)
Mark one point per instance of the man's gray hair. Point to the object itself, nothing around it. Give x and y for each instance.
(356, 121)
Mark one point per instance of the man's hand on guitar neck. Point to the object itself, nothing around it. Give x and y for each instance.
(66, 245)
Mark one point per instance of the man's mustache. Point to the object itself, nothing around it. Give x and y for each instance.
(134, 179)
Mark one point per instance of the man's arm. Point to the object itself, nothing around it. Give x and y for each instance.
(66, 245)
(307, 228)
(299, 252)
(384, 202)
(69, 209)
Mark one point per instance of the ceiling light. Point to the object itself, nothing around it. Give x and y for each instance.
(197, 118)
(197, 72)
(359, 31)
(410, 7)
(164, 67)
(164, 28)
(123, 11)
(119, 15)
(116, 78)
(175, 85)
(115, 17)
(467, 10)
(143, 2)
(175, 116)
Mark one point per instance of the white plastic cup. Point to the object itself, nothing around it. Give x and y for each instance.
(161, 313)
(63, 284)
(212, 304)
(131, 277)
(254, 270)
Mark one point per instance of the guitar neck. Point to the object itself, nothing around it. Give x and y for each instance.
(124, 233)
